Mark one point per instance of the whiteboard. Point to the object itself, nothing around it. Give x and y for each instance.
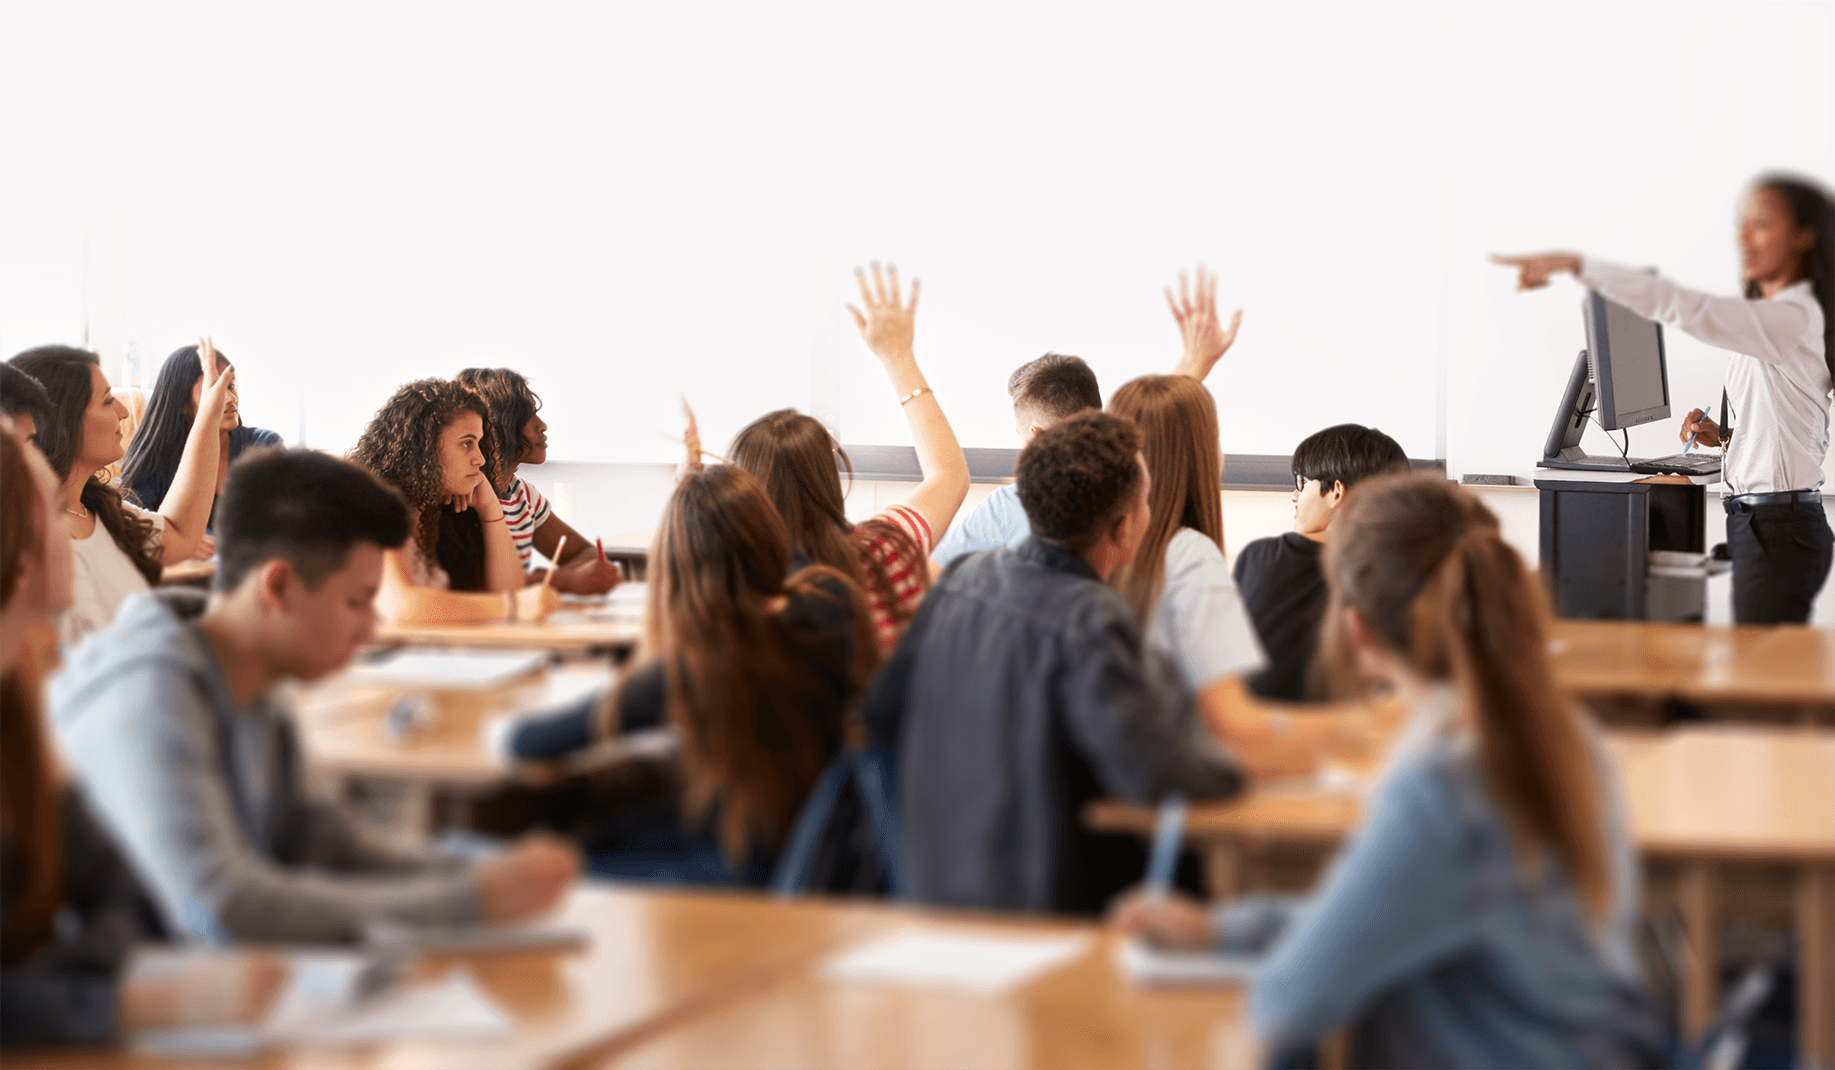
(631, 203)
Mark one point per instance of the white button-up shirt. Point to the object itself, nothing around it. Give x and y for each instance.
(1777, 380)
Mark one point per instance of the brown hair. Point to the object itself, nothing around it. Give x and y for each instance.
(64, 373)
(28, 789)
(402, 446)
(739, 675)
(1053, 387)
(795, 458)
(1178, 425)
(1424, 565)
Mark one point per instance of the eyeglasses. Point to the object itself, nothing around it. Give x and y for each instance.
(1299, 482)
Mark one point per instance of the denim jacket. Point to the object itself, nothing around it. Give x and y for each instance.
(1431, 938)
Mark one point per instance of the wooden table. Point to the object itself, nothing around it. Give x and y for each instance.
(1700, 797)
(189, 574)
(1779, 665)
(698, 979)
(567, 631)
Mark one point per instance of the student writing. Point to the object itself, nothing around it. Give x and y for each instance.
(120, 547)
(1483, 913)
(522, 438)
(175, 721)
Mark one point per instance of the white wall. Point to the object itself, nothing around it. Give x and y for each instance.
(634, 201)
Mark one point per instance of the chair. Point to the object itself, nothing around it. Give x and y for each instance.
(825, 852)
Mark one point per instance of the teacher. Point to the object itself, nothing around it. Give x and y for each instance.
(1777, 387)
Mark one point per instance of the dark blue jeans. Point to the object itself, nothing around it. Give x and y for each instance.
(1781, 557)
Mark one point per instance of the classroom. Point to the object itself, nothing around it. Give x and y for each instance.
(853, 534)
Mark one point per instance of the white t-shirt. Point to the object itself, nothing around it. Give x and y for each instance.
(1200, 621)
(102, 578)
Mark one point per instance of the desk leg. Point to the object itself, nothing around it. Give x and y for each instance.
(1700, 993)
(1815, 953)
(1220, 868)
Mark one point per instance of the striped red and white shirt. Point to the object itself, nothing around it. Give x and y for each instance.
(524, 510)
(895, 600)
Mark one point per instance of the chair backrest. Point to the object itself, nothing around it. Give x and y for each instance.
(872, 774)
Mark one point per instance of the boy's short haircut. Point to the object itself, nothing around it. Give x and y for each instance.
(1348, 454)
(307, 507)
(1053, 387)
(22, 395)
(1078, 477)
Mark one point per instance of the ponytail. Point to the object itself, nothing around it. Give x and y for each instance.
(1425, 566)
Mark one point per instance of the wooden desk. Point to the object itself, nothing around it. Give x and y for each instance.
(1700, 797)
(189, 574)
(1750, 665)
(567, 631)
(698, 979)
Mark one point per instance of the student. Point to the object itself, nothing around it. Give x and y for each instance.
(158, 443)
(1044, 391)
(754, 665)
(24, 401)
(1483, 913)
(522, 438)
(173, 721)
(1054, 386)
(1280, 577)
(1023, 691)
(433, 442)
(795, 457)
(1782, 347)
(71, 911)
(120, 547)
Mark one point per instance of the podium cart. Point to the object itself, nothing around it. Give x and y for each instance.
(1599, 531)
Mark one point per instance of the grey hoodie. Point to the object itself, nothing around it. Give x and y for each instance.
(209, 801)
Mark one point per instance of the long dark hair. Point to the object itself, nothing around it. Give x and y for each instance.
(64, 373)
(1178, 425)
(1424, 564)
(402, 446)
(159, 441)
(28, 790)
(1810, 206)
(512, 404)
(739, 675)
(800, 464)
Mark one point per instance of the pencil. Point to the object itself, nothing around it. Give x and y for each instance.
(559, 549)
(599, 545)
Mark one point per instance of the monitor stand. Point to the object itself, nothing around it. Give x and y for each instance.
(1577, 404)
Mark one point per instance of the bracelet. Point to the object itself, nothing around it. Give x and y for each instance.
(498, 520)
(915, 393)
(509, 606)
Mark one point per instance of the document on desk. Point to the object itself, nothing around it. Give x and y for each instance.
(455, 669)
(980, 963)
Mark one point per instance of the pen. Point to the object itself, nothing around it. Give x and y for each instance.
(559, 549)
(599, 545)
(1165, 848)
(1691, 439)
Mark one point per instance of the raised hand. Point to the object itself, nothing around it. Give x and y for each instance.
(218, 382)
(1534, 271)
(691, 439)
(1206, 340)
(887, 325)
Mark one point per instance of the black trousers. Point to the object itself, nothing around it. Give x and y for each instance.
(1781, 556)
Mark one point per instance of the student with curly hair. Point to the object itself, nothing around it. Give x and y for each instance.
(433, 441)
(796, 459)
(522, 438)
(81, 437)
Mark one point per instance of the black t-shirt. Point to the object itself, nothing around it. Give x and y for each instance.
(1284, 589)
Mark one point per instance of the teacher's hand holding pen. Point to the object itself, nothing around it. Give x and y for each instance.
(1697, 426)
(1534, 271)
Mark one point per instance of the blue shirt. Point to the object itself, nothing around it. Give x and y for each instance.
(1430, 936)
(998, 521)
(151, 489)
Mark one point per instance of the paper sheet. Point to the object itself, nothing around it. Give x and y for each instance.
(448, 668)
(1148, 965)
(986, 964)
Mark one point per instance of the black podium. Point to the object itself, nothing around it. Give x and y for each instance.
(1597, 537)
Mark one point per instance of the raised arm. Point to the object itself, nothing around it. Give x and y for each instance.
(886, 325)
(187, 503)
(1204, 337)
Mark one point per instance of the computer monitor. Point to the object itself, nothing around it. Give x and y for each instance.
(1625, 355)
